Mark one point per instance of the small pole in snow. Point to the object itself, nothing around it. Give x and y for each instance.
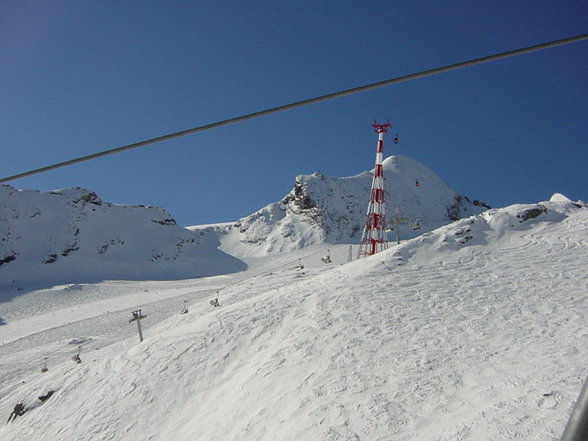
(137, 316)
(350, 255)
(398, 219)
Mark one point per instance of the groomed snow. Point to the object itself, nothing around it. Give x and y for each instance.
(475, 331)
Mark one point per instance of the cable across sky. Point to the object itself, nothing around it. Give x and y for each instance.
(305, 102)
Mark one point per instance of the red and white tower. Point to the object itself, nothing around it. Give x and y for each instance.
(373, 239)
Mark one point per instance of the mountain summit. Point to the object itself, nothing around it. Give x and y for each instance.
(321, 209)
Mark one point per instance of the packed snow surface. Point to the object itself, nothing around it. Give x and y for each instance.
(474, 331)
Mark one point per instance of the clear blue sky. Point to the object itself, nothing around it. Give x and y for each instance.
(77, 77)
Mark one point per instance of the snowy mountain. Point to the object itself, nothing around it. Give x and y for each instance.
(71, 235)
(326, 209)
(475, 331)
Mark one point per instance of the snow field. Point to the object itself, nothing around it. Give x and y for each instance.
(440, 338)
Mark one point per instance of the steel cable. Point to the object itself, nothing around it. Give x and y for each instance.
(305, 102)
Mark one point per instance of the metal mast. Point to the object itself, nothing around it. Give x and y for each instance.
(373, 238)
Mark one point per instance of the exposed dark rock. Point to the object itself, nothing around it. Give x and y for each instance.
(481, 204)
(89, 197)
(70, 249)
(104, 247)
(454, 211)
(465, 239)
(7, 259)
(531, 213)
(45, 397)
(168, 221)
(299, 198)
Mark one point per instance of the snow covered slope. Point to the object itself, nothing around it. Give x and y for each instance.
(70, 235)
(474, 332)
(326, 209)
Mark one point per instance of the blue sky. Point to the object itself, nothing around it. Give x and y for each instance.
(84, 76)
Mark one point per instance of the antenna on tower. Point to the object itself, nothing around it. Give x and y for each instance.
(381, 128)
(373, 238)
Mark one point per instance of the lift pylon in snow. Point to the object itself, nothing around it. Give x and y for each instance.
(373, 238)
(138, 316)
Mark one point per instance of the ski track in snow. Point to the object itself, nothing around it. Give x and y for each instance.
(477, 343)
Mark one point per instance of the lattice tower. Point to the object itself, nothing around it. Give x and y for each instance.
(373, 238)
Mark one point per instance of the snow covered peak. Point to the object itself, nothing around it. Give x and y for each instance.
(321, 209)
(558, 197)
(71, 235)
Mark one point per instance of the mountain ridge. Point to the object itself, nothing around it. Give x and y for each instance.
(323, 209)
(71, 235)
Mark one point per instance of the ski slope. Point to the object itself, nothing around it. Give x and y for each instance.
(474, 331)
